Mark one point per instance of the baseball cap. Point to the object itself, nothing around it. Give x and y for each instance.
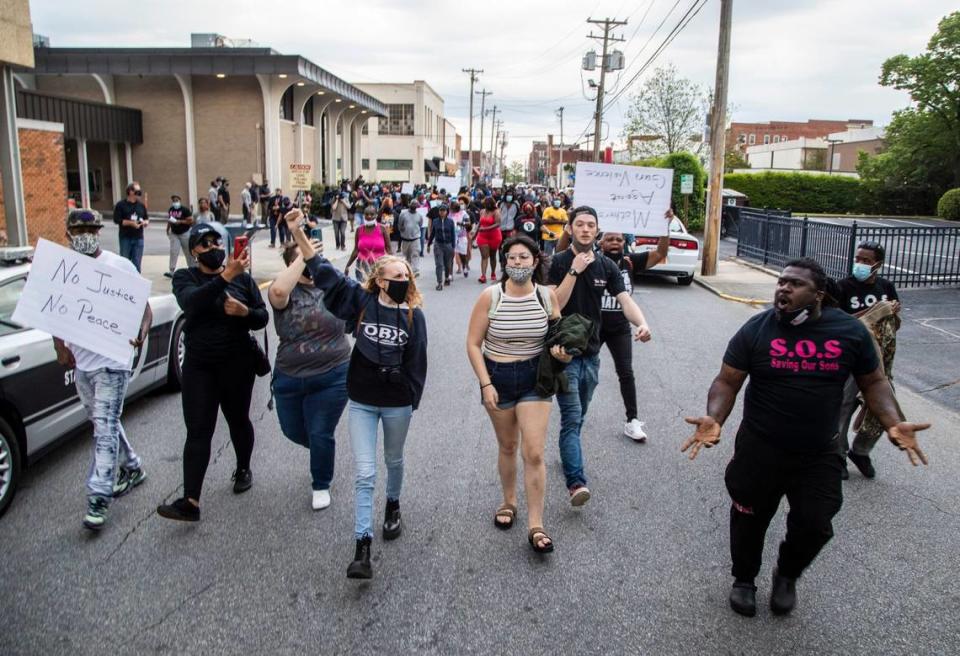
(198, 232)
(84, 217)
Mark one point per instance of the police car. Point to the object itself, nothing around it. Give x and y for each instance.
(38, 398)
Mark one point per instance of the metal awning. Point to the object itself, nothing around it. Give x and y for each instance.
(197, 61)
(430, 166)
(83, 119)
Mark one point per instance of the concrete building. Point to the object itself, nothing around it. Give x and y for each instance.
(412, 141)
(801, 154)
(239, 112)
(845, 147)
(743, 135)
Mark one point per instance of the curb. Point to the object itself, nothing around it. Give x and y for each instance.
(728, 297)
(755, 266)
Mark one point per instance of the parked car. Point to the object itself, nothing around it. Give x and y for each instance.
(683, 258)
(39, 405)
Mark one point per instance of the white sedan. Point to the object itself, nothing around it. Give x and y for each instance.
(683, 258)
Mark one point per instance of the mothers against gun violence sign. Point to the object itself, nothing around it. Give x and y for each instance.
(628, 199)
(83, 301)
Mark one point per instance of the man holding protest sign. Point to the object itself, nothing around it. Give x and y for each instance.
(102, 385)
(580, 278)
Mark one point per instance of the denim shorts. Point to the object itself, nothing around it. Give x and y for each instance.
(515, 382)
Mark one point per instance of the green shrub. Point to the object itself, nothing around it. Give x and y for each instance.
(684, 163)
(798, 192)
(949, 206)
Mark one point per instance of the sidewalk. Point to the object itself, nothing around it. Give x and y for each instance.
(266, 262)
(741, 282)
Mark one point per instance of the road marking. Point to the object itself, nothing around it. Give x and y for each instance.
(925, 323)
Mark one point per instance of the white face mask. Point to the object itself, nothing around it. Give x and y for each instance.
(369, 222)
(85, 243)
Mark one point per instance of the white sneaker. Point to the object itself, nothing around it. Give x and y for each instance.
(321, 499)
(634, 430)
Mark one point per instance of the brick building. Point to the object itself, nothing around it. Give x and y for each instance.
(44, 174)
(546, 155)
(743, 135)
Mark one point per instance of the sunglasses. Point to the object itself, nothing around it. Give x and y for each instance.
(210, 242)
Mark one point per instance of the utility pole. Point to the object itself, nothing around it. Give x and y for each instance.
(473, 78)
(497, 142)
(483, 99)
(493, 122)
(503, 159)
(718, 122)
(560, 164)
(608, 26)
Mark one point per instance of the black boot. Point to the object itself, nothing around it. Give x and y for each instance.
(360, 567)
(743, 598)
(783, 594)
(863, 464)
(392, 524)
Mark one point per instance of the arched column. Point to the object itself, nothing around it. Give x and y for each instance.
(320, 105)
(186, 88)
(333, 119)
(271, 92)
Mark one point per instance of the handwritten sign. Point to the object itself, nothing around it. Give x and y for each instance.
(450, 183)
(629, 199)
(300, 177)
(83, 301)
(407, 188)
(497, 183)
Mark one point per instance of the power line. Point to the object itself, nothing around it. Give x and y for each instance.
(684, 21)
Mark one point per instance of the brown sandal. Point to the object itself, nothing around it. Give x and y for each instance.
(534, 540)
(506, 510)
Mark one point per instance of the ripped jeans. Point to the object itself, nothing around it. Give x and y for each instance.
(102, 391)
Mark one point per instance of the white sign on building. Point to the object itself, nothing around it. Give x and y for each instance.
(628, 199)
(83, 301)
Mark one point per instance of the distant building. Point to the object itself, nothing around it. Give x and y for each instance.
(845, 147)
(413, 142)
(803, 154)
(544, 157)
(744, 135)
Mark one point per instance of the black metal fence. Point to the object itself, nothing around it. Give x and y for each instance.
(917, 256)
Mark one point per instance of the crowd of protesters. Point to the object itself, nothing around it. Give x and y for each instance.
(359, 343)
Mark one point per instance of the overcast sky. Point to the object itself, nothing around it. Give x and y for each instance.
(791, 59)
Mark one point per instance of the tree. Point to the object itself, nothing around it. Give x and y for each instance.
(669, 112)
(922, 156)
(515, 173)
(734, 159)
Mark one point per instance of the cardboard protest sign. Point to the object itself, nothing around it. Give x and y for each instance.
(496, 183)
(628, 199)
(450, 183)
(407, 188)
(83, 301)
(300, 177)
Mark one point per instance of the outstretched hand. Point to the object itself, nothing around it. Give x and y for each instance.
(904, 437)
(706, 435)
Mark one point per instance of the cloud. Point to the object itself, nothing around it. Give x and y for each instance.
(790, 60)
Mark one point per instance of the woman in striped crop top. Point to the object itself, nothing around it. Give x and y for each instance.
(505, 341)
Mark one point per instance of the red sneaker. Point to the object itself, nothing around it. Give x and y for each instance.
(482, 279)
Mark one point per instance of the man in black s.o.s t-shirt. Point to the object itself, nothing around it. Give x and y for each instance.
(798, 356)
(179, 222)
(581, 278)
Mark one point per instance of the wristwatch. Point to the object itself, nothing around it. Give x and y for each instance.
(573, 272)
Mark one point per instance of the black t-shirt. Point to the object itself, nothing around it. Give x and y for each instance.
(179, 213)
(529, 226)
(614, 322)
(602, 276)
(223, 196)
(127, 211)
(797, 374)
(856, 296)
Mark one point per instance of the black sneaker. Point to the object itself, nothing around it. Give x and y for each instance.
(392, 523)
(863, 464)
(168, 274)
(96, 515)
(242, 480)
(180, 510)
(743, 598)
(127, 480)
(360, 567)
(783, 594)
(844, 473)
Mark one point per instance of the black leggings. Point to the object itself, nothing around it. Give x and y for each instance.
(621, 350)
(225, 386)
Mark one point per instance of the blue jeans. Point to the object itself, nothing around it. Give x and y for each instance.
(363, 422)
(132, 249)
(101, 393)
(423, 238)
(549, 246)
(309, 410)
(583, 373)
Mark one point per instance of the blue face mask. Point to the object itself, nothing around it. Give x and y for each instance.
(862, 271)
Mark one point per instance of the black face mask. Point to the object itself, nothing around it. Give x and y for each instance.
(212, 259)
(397, 290)
(795, 317)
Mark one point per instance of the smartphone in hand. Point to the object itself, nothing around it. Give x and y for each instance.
(240, 244)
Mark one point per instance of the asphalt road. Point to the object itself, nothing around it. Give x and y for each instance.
(643, 568)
